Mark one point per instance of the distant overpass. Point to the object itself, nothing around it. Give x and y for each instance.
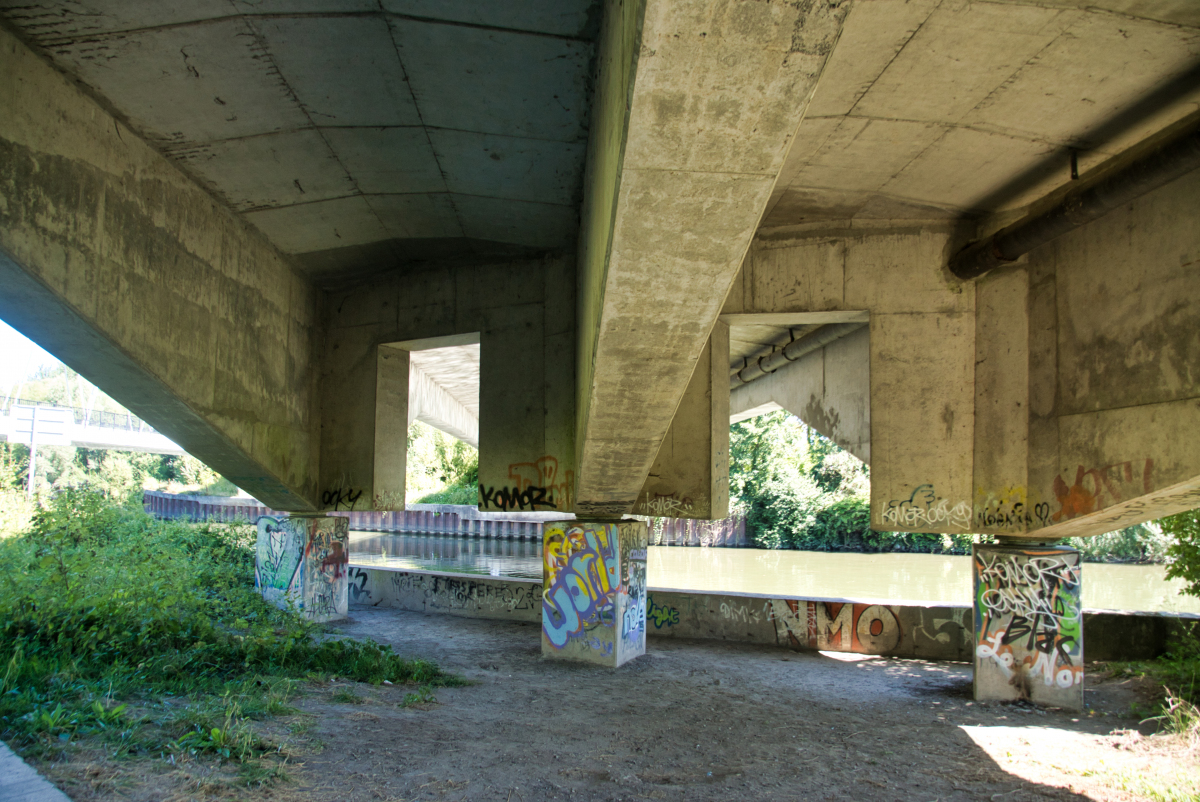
(47, 425)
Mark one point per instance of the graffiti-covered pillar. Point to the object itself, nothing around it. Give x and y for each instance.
(1028, 625)
(301, 564)
(594, 591)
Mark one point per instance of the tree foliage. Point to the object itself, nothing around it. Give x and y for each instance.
(1184, 552)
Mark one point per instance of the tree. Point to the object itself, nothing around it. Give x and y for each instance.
(1184, 552)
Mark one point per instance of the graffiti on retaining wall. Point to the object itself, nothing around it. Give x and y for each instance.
(663, 615)
(357, 579)
(746, 613)
(1098, 488)
(837, 626)
(925, 508)
(581, 578)
(280, 551)
(1028, 616)
(544, 474)
(468, 595)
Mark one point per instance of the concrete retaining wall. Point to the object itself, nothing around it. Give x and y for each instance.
(837, 625)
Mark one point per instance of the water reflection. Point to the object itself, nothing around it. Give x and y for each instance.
(449, 553)
(909, 578)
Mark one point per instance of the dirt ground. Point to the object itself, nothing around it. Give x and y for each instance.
(692, 720)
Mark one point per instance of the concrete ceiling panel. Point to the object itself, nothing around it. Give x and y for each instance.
(496, 82)
(537, 225)
(958, 57)
(269, 171)
(51, 23)
(873, 34)
(344, 70)
(1102, 65)
(694, 110)
(573, 18)
(194, 83)
(864, 154)
(487, 165)
(320, 226)
(965, 166)
(387, 160)
(417, 216)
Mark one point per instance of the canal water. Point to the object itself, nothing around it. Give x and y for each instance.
(894, 578)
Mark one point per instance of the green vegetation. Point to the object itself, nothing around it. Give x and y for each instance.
(441, 469)
(148, 638)
(1184, 549)
(799, 490)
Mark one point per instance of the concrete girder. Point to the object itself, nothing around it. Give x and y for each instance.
(138, 279)
(682, 160)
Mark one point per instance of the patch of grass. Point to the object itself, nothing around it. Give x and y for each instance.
(104, 610)
(423, 695)
(347, 697)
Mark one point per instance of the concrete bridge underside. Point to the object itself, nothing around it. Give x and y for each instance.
(247, 222)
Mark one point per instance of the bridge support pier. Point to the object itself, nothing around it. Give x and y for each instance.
(594, 599)
(301, 564)
(1028, 624)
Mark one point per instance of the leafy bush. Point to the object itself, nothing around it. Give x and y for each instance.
(457, 494)
(1184, 551)
(102, 602)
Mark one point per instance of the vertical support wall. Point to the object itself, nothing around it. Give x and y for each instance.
(302, 564)
(391, 428)
(1028, 625)
(690, 476)
(594, 591)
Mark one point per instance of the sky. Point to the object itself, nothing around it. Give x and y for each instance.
(20, 357)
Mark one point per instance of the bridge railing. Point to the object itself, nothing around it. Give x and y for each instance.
(124, 421)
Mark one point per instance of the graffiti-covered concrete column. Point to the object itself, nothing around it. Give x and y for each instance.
(1028, 625)
(594, 591)
(302, 562)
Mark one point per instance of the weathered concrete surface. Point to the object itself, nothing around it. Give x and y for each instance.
(138, 279)
(1088, 373)
(522, 315)
(931, 110)
(690, 475)
(922, 354)
(929, 632)
(360, 137)
(1028, 625)
(829, 389)
(720, 88)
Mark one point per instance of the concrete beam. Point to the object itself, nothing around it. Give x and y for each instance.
(126, 270)
(683, 158)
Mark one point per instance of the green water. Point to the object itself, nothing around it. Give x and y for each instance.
(895, 578)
